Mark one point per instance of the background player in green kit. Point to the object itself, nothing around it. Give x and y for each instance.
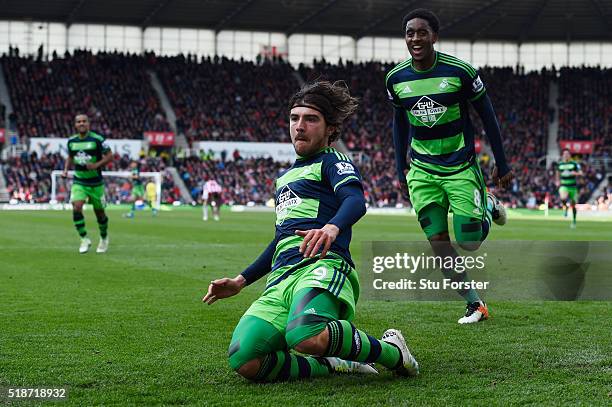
(89, 154)
(312, 286)
(138, 191)
(567, 171)
(430, 93)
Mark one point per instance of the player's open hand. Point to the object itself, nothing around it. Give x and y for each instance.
(223, 288)
(503, 181)
(314, 239)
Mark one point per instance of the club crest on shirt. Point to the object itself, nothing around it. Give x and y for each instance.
(82, 158)
(345, 168)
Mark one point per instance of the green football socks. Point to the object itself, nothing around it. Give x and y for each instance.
(79, 223)
(349, 343)
(284, 365)
(103, 225)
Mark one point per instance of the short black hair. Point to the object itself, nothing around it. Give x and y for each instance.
(566, 149)
(426, 15)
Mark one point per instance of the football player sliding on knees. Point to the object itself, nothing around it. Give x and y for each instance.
(301, 325)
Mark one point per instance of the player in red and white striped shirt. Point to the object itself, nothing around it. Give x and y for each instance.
(211, 195)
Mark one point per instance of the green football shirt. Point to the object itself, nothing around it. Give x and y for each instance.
(436, 105)
(565, 173)
(85, 150)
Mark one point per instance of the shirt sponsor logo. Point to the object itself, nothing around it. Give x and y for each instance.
(444, 84)
(286, 202)
(82, 158)
(83, 145)
(428, 111)
(345, 168)
(477, 85)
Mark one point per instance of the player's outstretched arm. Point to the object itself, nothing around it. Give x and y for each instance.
(502, 174)
(228, 287)
(223, 288)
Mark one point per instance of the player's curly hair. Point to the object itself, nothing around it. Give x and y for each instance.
(426, 15)
(332, 100)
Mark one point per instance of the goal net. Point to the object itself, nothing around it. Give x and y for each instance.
(117, 185)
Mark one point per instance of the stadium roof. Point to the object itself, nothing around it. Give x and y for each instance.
(509, 20)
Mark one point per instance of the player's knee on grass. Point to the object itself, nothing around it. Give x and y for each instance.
(469, 232)
(250, 369)
(433, 220)
(311, 310)
(253, 339)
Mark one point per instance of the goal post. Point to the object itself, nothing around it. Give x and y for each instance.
(156, 177)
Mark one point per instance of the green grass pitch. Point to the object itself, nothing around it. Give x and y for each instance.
(128, 327)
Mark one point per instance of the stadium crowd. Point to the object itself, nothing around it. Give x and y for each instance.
(585, 106)
(113, 89)
(222, 99)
